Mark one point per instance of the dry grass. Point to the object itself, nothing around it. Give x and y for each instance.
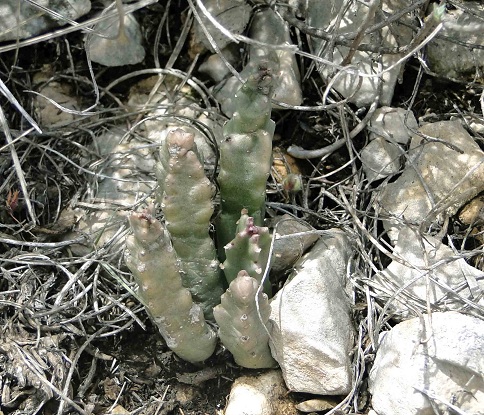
(65, 318)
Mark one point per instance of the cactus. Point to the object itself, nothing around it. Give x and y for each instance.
(173, 266)
(241, 329)
(186, 199)
(248, 251)
(245, 156)
(179, 320)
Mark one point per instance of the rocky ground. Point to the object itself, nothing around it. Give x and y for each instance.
(391, 158)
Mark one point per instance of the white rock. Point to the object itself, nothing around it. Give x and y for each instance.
(388, 127)
(395, 125)
(233, 15)
(288, 249)
(422, 368)
(265, 394)
(451, 165)
(312, 330)
(21, 20)
(456, 56)
(267, 27)
(126, 167)
(324, 15)
(48, 114)
(215, 67)
(116, 48)
(416, 255)
(380, 159)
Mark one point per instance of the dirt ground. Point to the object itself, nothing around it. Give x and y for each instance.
(73, 339)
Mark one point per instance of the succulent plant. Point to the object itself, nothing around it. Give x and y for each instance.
(155, 266)
(245, 156)
(242, 317)
(185, 194)
(177, 268)
(248, 251)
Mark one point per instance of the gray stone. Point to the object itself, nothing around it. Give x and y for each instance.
(288, 249)
(395, 125)
(444, 285)
(267, 27)
(380, 159)
(116, 48)
(48, 114)
(324, 15)
(455, 55)
(424, 368)
(443, 172)
(215, 67)
(233, 15)
(21, 20)
(388, 127)
(264, 394)
(312, 332)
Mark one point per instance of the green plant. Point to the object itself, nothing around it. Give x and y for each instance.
(175, 265)
(245, 156)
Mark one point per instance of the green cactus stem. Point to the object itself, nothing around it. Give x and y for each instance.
(153, 262)
(248, 251)
(186, 199)
(245, 155)
(241, 330)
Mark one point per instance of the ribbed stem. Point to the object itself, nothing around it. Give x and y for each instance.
(186, 200)
(242, 330)
(245, 156)
(248, 251)
(153, 262)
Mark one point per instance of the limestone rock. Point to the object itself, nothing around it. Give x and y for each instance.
(312, 331)
(395, 125)
(288, 249)
(324, 15)
(380, 159)
(115, 47)
(21, 20)
(446, 281)
(443, 172)
(388, 127)
(233, 15)
(424, 368)
(215, 67)
(455, 55)
(264, 394)
(47, 114)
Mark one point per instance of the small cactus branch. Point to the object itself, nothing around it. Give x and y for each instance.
(248, 251)
(245, 156)
(253, 103)
(186, 200)
(241, 330)
(153, 262)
